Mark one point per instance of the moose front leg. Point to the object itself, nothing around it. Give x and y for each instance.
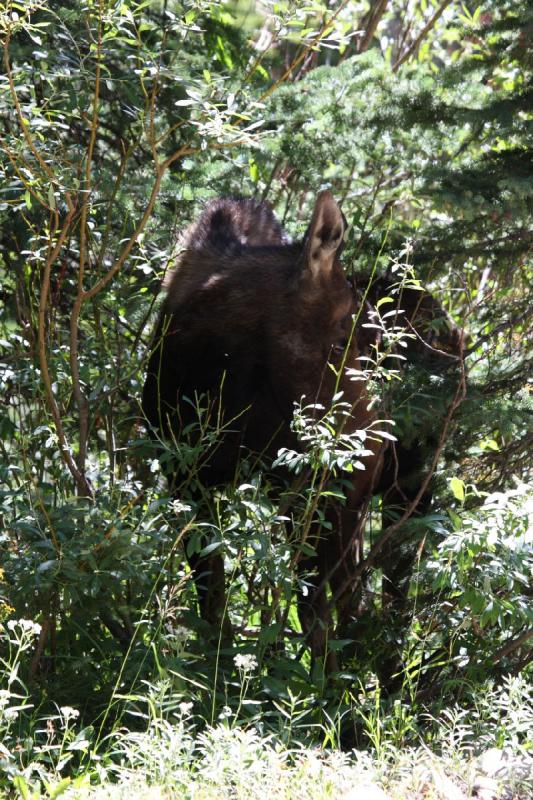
(343, 555)
(314, 613)
(209, 580)
(338, 552)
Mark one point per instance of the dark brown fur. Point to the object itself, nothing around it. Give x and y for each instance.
(434, 335)
(435, 344)
(435, 348)
(251, 321)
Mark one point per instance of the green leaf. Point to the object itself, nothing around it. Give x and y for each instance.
(458, 489)
(58, 789)
(210, 548)
(456, 519)
(21, 785)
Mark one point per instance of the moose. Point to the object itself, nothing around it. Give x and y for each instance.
(252, 323)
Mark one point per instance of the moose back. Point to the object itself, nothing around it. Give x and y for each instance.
(251, 324)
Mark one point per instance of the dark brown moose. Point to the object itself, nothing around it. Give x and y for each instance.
(251, 324)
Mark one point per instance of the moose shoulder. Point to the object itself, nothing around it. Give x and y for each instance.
(252, 324)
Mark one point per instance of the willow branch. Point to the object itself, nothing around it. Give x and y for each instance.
(79, 396)
(371, 22)
(413, 47)
(160, 170)
(514, 644)
(298, 60)
(22, 121)
(64, 447)
(22, 178)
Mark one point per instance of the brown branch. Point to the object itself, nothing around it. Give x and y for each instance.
(64, 447)
(298, 60)
(22, 178)
(39, 650)
(413, 47)
(427, 346)
(161, 168)
(117, 631)
(111, 210)
(514, 644)
(370, 22)
(22, 122)
(110, 274)
(406, 25)
(423, 695)
(152, 137)
(79, 396)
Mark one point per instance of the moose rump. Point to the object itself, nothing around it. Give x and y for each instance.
(252, 324)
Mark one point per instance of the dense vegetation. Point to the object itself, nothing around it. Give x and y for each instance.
(117, 120)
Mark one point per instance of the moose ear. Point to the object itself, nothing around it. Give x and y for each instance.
(324, 236)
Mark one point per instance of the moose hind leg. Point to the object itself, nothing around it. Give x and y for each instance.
(344, 559)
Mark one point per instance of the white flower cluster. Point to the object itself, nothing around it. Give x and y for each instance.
(5, 696)
(178, 507)
(178, 632)
(25, 625)
(225, 713)
(8, 714)
(68, 713)
(245, 661)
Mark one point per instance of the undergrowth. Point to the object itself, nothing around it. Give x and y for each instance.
(162, 747)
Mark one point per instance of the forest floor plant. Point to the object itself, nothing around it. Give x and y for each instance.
(164, 748)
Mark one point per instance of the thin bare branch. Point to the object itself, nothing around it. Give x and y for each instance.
(512, 645)
(82, 484)
(370, 23)
(79, 396)
(299, 58)
(24, 126)
(413, 47)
